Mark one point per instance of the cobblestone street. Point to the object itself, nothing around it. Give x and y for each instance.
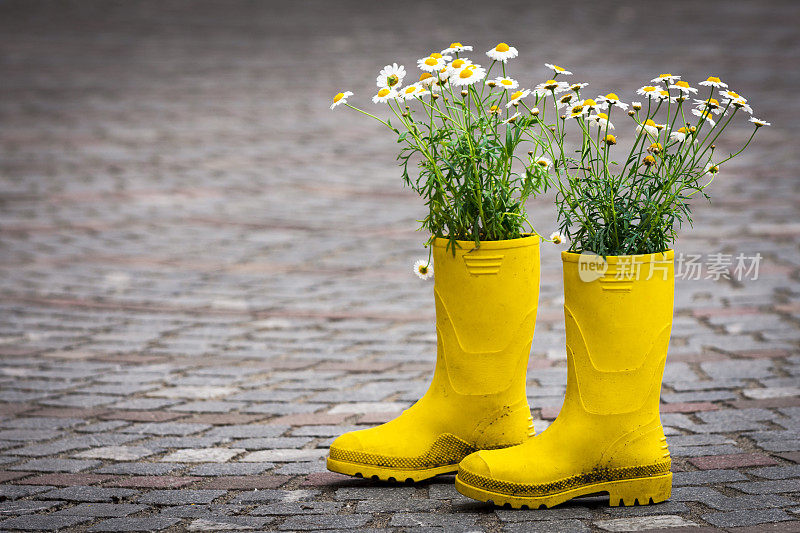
(205, 274)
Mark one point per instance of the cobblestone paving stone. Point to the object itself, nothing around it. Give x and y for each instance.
(205, 273)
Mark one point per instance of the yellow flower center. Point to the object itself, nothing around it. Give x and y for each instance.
(610, 139)
(649, 122)
(550, 84)
(506, 82)
(423, 269)
(612, 96)
(712, 103)
(713, 79)
(493, 108)
(455, 45)
(589, 102)
(567, 98)
(649, 160)
(665, 75)
(424, 76)
(602, 116)
(338, 97)
(649, 89)
(656, 147)
(682, 130)
(392, 80)
(436, 55)
(431, 62)
(516, 95)
(682, 84)
(543, 163)
(458, 63)
(502, 47)
(577, 109)
(558, 69)
(410, 89)
(466, 73)
(663, 93)
(735, 96)
(383, 92)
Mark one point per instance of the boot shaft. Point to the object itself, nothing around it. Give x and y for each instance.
(486, 303)
(618, 316)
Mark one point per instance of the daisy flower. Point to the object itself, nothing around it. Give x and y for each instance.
(433, 62)
(601, 121)
(649, 161)
(565, 100)
(512, 119)
(423, 269)
(610, 140)
(552, 86)
(577, 86)
(609, 100)
(456, 47)
(427, 79)
(664, 95)
(558, 70)
(384, 95)
(589, 104)
(759, 123)
(650, 127)
(502, 52)
(711, 103)
(415, 90)
(468, 75)
(577, 111)
(543, 162)
(341, 98)
(740, 104)
(683, 87)
(504, 83)
(390, 76)
(517, 96)
(655, 148)
(557, 238)
(636, 105)
(679, 135)
(650, 91)
(705, 114)
(731, 95)
(714, 81)
(710, 168)
(456, 66)
(668, 78)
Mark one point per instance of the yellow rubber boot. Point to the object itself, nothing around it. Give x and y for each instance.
(486, 302)
(608, 436)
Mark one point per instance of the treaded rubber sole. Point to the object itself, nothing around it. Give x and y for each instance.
(625, 492)
(388, 474)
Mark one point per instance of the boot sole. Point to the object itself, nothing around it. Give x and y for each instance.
(625, 492)
(388, 474)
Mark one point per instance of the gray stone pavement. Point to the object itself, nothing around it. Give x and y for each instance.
(205, 273)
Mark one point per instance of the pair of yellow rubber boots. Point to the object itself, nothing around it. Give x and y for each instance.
(475, 419)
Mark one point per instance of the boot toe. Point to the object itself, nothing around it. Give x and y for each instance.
(348, 442)
(475, 464)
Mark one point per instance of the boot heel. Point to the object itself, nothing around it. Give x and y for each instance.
(640, 491)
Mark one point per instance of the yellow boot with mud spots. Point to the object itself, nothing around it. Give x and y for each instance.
(608, 436)
(486, 302)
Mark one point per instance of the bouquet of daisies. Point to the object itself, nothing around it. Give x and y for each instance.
(462, 127)
(634, 206)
